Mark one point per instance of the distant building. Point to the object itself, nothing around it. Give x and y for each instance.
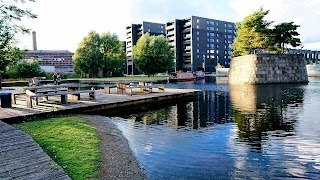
(52, 60)
(133, 33)
(311, 56)
(200, 43)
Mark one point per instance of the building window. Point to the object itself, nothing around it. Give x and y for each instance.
(198, 44)
(197, 38)
(149, 25)
(198, 56)
(217, 40)
(197, 20)
(197, 32)
(161, 26)
(149, 30)
(197, 26)
(198, 50)
(217, 46)
(208, 34)
(208, 22)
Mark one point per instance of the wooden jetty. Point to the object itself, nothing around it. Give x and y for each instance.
(22, 158)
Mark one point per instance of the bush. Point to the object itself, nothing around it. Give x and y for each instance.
(25, 69)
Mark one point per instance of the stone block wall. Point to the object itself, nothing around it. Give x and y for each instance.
(268, 69)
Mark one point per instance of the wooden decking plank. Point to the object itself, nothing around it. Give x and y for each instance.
(22, 158)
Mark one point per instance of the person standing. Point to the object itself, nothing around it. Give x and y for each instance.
(55, 78)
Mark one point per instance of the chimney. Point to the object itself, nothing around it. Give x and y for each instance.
(34, 38)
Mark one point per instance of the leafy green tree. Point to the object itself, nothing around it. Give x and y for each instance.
(113, 55)
(10, 17)
(88, 55)
(153, 54)
(25, 69)
(284, 33)
(253, 33)
(97, 53)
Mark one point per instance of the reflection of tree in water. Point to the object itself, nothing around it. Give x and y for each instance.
(271, 110)
(151, 117)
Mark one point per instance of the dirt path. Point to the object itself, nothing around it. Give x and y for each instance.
(118, 161)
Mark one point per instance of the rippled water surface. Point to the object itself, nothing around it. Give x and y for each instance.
(231, 132)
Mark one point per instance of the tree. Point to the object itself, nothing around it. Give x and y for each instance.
(113, 54)
(25, 69)
(153, 54)
(10, 17)
(88, 55)
(97, 53)
(253, 33)
(283, 34)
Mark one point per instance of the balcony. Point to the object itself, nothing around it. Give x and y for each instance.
(171, 27)
(187, 42)
(187, 24)
(186, 54)
(186, 30)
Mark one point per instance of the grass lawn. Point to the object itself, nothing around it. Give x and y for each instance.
(70, 142)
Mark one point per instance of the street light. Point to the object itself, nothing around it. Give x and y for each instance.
(204, 63)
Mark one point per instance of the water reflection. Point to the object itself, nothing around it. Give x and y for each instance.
(262, 111)
(212, 107)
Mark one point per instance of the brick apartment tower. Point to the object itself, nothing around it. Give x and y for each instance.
(34, 40)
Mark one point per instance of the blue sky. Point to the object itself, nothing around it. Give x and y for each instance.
(62, 24)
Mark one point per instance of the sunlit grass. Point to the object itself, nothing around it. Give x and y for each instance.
(70, 142)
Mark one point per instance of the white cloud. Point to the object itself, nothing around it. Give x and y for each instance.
(304, 13)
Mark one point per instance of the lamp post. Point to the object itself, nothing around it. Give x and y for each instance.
(204, 63)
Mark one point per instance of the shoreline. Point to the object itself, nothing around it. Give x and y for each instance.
(117, 158)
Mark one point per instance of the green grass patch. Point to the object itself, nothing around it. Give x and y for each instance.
(70, 142)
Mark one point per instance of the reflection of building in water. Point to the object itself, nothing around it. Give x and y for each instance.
(211, 107)
(263, 108)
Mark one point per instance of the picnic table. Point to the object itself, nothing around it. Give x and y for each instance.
(66, 91)
(127, 87)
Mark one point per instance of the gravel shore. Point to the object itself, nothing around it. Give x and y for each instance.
(118, 161)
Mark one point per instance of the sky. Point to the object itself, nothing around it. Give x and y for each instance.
(62, 24)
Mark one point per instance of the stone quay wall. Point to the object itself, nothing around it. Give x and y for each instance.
(268, 69)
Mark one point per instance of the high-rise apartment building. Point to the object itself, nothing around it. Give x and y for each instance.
(133, 33)
(200, 43)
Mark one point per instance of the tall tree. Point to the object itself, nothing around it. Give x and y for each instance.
(88, 55)
(113, 54)
(251, 33)
(284, 33)
(153, 54)
(97, 53)
(11, 15)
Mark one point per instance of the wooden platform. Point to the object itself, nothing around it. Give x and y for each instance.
(112, 100)
(22, 158)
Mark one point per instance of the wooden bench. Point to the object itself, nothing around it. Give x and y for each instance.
(14, 98)
(74, 95)
(160, 88)
(107, 89)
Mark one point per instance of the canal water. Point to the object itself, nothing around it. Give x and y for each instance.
(230, 132)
